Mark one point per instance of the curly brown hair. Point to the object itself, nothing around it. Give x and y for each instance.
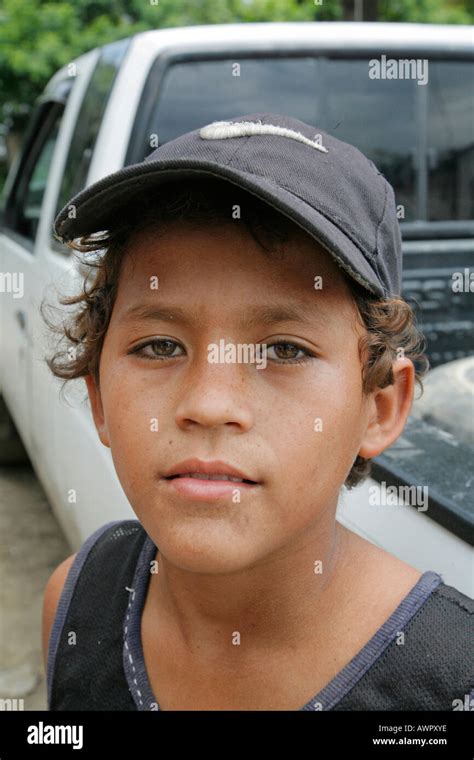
(390, 324)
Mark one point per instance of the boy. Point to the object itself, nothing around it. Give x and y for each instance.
(246, 353)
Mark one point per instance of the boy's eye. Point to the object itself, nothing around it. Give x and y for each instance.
(164, 348)
(287, 353)
(159, 348)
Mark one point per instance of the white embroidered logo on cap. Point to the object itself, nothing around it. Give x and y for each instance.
(219, 130)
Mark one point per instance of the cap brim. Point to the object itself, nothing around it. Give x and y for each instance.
(95, 208)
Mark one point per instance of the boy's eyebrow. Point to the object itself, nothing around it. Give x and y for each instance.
(253, 316)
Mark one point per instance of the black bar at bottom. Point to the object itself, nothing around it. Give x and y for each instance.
(133, 734)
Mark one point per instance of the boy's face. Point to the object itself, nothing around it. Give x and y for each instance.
(295, 428)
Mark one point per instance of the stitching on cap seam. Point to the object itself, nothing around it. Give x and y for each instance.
(385, 204)
(375, 262)
(239, 145)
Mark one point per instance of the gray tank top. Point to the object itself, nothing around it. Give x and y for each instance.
(103, 597)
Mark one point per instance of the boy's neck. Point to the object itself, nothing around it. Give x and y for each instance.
(275, 603)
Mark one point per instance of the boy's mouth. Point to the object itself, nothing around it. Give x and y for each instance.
(202, 476)
(203, 480)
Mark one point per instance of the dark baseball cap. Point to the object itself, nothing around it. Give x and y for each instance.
(328, 187)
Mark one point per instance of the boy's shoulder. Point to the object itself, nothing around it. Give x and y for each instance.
(419, 656)
(437, 642)
(424, 599)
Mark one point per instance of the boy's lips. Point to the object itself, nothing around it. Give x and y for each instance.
(203, 480)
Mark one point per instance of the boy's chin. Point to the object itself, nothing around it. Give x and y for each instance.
(210, 553)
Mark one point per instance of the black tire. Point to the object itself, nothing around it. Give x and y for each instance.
(12, 450)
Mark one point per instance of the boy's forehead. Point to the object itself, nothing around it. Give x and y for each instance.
(176, 246)
(199, 271)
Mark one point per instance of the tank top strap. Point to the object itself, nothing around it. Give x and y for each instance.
(85, 664)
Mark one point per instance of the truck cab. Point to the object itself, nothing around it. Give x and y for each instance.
(112, 106)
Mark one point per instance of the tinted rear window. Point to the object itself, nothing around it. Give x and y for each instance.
(419, 135)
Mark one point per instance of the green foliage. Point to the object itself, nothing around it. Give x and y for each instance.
(428, 11)
(39, 36)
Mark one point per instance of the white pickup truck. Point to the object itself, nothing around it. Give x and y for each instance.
(107, 108)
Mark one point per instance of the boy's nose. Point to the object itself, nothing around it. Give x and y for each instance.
(215, 394)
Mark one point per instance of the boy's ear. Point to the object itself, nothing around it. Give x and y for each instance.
(97, 410)
(389, 410)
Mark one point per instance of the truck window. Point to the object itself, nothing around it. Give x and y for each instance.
(23, 207)
(37, 184)
(88, 123)
(450, 141)
(418, 135)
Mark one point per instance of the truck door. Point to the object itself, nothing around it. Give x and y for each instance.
(18, 256)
